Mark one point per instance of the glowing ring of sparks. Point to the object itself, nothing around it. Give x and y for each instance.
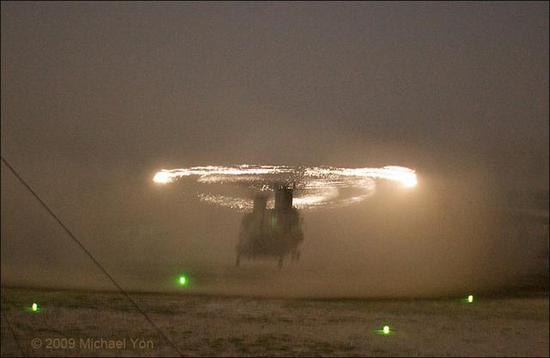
(315, 186)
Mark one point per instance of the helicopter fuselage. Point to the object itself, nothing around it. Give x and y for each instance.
(273, 232)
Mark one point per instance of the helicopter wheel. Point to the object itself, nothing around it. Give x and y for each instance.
(295, 256)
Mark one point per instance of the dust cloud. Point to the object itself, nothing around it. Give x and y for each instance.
(448, 235)
(97, 98)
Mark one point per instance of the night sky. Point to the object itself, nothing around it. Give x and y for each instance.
(96, 97)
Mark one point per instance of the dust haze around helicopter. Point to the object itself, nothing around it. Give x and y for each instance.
(96, 98)
(442, 237)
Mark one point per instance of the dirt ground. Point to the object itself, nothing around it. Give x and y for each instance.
(72, 323)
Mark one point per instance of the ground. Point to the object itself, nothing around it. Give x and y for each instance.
(204, 325)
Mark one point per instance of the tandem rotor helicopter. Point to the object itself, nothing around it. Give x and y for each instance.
(273, 232)
(272, 224)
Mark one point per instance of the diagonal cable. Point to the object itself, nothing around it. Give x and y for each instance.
(94, 260)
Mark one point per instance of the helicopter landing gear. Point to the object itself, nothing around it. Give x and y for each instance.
(295, 256)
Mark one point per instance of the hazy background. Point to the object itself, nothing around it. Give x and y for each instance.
(96, 97)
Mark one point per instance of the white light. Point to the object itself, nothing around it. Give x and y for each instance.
(409, 181)
(162, 177)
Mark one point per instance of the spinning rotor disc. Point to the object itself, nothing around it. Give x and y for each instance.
(314, 187)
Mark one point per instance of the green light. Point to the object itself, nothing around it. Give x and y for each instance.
(470, 298)
(385, 330)
(35, 307)
(183, 280)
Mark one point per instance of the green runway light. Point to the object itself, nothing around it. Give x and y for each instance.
(385, 330)
(182, 280)
(470, 298)
(35, 307)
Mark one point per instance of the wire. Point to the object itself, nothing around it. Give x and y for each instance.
(94, 260)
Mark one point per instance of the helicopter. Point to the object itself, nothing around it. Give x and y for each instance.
(277, 232)
(273, 232)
